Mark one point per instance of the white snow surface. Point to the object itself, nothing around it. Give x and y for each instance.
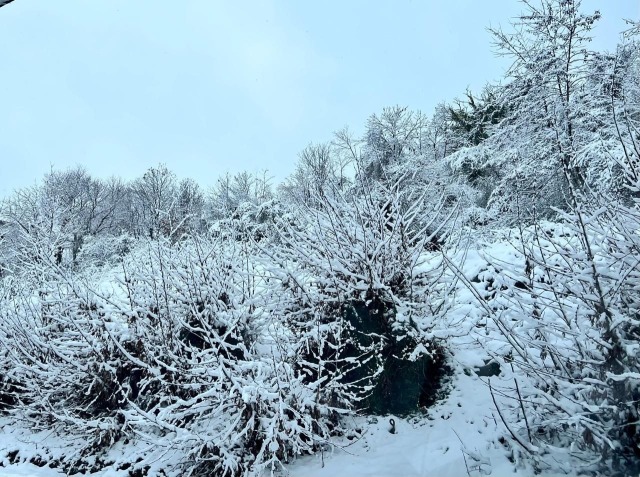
(459, 436)
(463, 426)
(28, 470)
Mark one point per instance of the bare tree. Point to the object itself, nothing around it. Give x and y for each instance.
(156, 194)
(190, 206)
(390, 136)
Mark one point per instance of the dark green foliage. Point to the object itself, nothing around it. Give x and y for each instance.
(473, 117)
(9, 390)
(405, 386)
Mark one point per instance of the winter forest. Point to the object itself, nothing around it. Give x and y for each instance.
(171, 328)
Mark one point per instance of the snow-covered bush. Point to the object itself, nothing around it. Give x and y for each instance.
(64, 365)
(215, 380)
(104, 250)
(360, 289)
(562, 302)
(183, 348)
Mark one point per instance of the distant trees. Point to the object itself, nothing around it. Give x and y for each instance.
(189, 210)
(321, 169)
(396, 133)
(232, 192)
(88, 206)
(70, 208)
(53, 217)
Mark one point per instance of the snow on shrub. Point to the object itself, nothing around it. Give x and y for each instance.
(359, 289)
(562, 303)
(234, 353)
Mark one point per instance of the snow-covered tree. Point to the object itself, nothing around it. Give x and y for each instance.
(396, 132)
(543, 133)
(156, 201)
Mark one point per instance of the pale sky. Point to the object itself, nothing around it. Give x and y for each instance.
(209, 86)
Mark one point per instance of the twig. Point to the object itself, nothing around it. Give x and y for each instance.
(522, 444)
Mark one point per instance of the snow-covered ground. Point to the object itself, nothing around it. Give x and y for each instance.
(457, 437)
(28, 470)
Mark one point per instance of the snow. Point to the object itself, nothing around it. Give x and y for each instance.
(234, 340)
(28, 470)
(464, 426)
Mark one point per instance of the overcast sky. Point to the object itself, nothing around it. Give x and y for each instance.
(208, 87)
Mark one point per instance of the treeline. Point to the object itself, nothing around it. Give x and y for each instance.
(237, 326)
